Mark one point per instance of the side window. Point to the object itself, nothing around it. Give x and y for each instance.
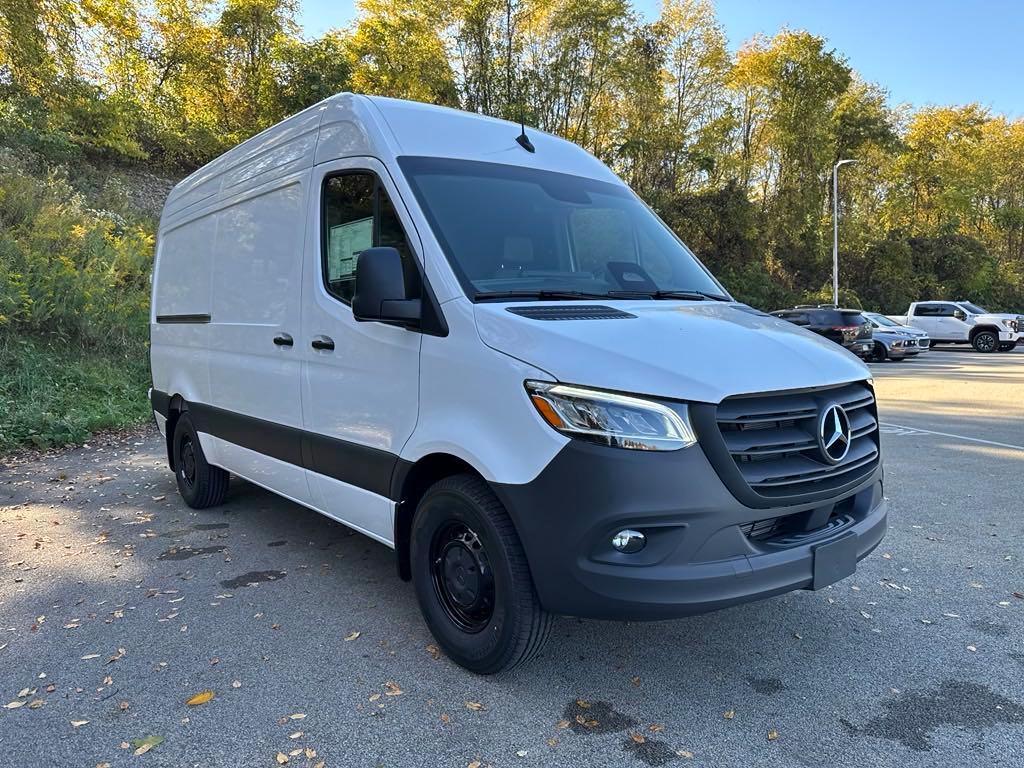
(358, 214)
(924, 310)
(946, 310)
(348, 229)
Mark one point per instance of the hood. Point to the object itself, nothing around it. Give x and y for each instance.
(700, 351)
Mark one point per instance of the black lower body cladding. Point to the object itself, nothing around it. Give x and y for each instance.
(705, 550)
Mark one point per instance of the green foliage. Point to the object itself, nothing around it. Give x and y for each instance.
(54, 394)
(69, 272)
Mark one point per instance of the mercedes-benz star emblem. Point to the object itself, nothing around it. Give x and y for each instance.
(834, 434)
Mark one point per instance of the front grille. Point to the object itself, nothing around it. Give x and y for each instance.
(773, 439)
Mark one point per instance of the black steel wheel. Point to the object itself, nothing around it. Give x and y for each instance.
(462, 576)
(471, 577)
(200, 484)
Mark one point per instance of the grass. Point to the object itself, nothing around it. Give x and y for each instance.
(52, 393)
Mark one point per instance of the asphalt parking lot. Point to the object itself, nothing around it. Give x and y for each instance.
(118, 604)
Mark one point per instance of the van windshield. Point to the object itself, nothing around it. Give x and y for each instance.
(513, 232)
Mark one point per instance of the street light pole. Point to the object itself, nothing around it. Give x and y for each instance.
(835, 229)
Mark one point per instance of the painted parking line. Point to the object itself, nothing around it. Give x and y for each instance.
(900, 429)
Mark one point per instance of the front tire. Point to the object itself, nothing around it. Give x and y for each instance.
(879, 354)
(200, 484)
(472, 580)
(1007, 346)
(985, 341)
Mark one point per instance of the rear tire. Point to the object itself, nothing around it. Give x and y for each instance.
(200, 484)
(472, 580)
(985, 341)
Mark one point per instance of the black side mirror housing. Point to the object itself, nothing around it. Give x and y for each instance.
(380, 294)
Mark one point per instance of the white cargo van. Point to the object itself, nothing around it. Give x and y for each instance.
(478, 347)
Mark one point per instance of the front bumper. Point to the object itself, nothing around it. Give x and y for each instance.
(700, 555)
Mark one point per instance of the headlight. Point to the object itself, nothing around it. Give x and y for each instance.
(1011, 324)
(607, 418)
(897, 343)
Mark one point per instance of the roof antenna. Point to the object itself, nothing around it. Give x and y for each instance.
(522, 139)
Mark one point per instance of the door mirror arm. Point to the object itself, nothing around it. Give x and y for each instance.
(380, 294)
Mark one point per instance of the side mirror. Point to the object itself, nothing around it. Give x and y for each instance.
(959, 314)
(380, 294)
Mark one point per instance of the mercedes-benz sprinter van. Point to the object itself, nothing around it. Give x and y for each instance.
(477, 346)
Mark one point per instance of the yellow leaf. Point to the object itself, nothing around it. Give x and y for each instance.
(582, 703)
(729, 714)
(352, 636)
(773, 735)
(282, 758)
(200, 698)
(309, 753)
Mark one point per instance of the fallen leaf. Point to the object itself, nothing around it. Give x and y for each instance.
(236, 683)
(635, 680)
(685, 754)
(655, 727)
(445, 717)
(562, 725)
(474, 764)
(352, 636)
(638, 738)
(972, 648)
(296, 735)
(200, 698)
(729, 714)
(434, 651)
(14, 705)
(773, 735)
(295, 752)
(522, 753)
(476, 706)
(35, 704)
(309, 753)
(582, 703)
(90, 656)
(392, 689)
(865, 614)
(282, 758)
(297, 716)
(142, 746)
(78, 723)
(552, 742)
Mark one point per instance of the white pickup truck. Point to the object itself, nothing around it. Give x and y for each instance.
(961, 322)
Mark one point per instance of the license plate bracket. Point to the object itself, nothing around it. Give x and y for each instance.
(834, 561)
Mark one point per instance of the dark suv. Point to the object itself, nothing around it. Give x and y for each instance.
(847, 327)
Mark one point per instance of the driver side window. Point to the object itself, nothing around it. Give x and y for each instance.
(358, 214)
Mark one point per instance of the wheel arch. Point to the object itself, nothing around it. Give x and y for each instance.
(979, 328)
(410, 482)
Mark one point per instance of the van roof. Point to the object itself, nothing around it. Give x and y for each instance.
(352, 125)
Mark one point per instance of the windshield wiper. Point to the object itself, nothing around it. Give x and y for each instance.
(545, 295)
(691, 295)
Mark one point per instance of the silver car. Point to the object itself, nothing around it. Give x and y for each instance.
(915, 341)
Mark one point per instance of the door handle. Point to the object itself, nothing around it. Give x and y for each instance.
(283, 340)
(323, 343)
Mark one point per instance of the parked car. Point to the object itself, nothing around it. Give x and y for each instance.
(961, 322)
(477, 346)
(915, 341)
(846, 327)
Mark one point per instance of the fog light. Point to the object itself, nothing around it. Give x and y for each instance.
(629, 541)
